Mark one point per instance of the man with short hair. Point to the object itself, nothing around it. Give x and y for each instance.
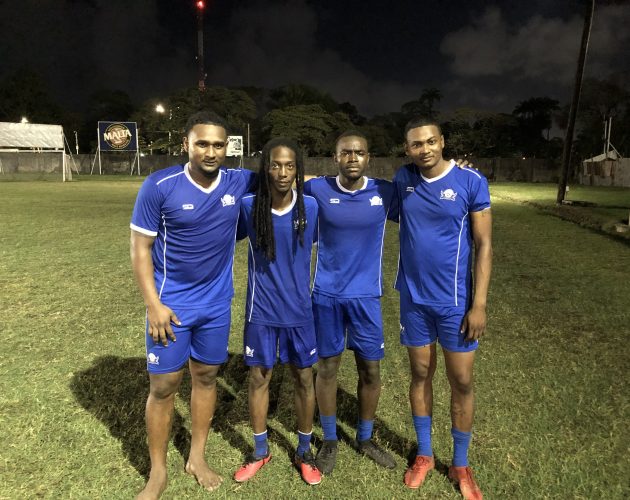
(444, 216)
(348, 284)
(183, 231)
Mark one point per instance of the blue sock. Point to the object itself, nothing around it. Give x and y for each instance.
(423, 434)
(461, 441)
(260, 442)
(304, 443)
(329, 426)
(364, 429)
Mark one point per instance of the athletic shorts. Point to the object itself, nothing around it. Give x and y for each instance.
(202, 336)
(358, 318)
(263, 345)
(422, 325)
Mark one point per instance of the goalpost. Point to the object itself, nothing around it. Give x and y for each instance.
(33, 149)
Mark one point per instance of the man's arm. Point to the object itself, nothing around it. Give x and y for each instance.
(475, 320)
(159, 316)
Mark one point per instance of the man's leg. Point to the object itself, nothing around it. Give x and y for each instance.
(203, 403)
(159, 418)
(258, 400)
(326, 391)
(459, 369)
(422, 361)
(368, 392)
(305, 409)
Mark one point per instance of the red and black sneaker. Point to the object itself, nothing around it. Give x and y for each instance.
(308, 470)
(464, 478)
(251, 466)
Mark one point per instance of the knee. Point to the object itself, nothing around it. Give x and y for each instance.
(304, 380)
(163, 389)
(370, 374)
(259, 378)
(462, 383)
(421, 372)
(327, 370)
(205, 378)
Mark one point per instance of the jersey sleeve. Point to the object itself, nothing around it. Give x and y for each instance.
(308, 187)
(251, 180)
(241, 228)
(481, 197)
(147, 211)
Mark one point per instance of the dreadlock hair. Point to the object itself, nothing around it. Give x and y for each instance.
(263, 219)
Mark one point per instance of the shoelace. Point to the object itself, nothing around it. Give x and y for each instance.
(418, 464)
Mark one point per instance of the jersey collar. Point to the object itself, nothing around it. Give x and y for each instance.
(442, 175)
(289, 208)
(365, 183)
(210, 188)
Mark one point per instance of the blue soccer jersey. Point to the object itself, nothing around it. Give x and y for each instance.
(194, 230)
(278, 292)
(351, 229)
(435, 234)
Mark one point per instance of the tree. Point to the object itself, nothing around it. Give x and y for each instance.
(424, 105)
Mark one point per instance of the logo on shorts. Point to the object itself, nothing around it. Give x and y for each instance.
(376, 201)
(402, 328)
(228, 199)
(249, 352)
(334, 201)
(448, 194)
(312, 352)
(410, 189)
(152, 359)
(383, 345)
(188, 206)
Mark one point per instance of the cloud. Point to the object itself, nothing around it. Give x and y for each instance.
(543, 49)
(274, 43)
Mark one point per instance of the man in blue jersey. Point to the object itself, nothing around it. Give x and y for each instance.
(444, 216)
(348, 284)
(281, 225)
(183, 231)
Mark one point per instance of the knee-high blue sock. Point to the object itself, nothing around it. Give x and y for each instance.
(423, 434)
(461, 441)
(364, 429)
(304, 443)
(260, 443)
(329, 426)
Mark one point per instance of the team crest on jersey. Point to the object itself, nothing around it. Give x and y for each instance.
(228, 199)
(376, 201)
(152, 359)
(410, 189)
(334, 201)
(448, 194)
(249, 352)
(188, 206)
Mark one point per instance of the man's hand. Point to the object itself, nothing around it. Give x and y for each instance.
(463, 163)
(474, 323)
(159, 318)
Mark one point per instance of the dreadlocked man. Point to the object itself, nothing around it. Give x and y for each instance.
(281, 225)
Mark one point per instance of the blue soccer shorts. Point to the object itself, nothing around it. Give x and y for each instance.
(203, 336)
(358, 318)
(421, 325)
(263, 345)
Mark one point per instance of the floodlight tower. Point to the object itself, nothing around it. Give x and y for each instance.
(201, 5)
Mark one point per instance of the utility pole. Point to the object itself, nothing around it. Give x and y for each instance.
(575, 102)
(202, 75)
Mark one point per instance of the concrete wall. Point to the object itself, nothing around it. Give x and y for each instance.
(606, 173)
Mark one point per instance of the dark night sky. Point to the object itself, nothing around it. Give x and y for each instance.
(375, 54)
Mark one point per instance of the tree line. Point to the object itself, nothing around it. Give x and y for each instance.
(314, 118)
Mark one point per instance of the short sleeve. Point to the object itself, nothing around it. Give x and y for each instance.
(308, 185)
(251, 180)
(241, 228)
(147, 211)
(481, 197)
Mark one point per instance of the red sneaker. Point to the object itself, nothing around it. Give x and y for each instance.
(251, 466)
(308, 470)
(414, 475)
(464, 478)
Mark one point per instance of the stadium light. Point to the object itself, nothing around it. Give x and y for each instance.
(24, 120)
(201, 4)
(160, 109)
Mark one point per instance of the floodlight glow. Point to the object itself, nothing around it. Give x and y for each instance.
(160, 109)
(200, 4)
(24, 120)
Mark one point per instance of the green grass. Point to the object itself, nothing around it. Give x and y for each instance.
(553, 401)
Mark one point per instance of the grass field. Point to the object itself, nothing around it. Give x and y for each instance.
(553, 401)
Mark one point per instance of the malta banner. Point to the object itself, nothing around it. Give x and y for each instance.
(117, 136)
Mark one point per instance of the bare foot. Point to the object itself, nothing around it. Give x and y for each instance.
(204, 475)
(155, 486)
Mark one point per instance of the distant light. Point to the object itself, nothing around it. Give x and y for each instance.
(524, 158)
(24, 120)
(160, 109)
(200, 4)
